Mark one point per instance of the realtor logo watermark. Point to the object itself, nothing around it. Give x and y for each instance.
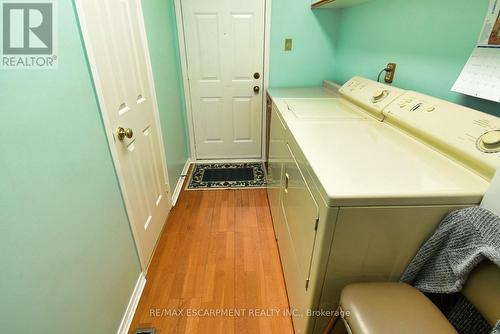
(28, 35)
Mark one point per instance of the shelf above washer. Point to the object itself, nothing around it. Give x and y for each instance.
(317, 4)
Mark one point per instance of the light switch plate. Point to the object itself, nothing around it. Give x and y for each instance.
(288, 44)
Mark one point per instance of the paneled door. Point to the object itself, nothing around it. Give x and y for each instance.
(116, 44)
(224, 42)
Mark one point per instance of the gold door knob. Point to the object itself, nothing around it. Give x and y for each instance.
(121, 133)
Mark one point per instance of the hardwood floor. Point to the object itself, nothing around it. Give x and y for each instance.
(217, 253)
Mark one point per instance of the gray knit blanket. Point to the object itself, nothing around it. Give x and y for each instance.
(463, 239)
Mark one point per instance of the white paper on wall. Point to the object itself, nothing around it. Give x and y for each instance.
(481, 75)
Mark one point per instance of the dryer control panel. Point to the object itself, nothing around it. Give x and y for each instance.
(371, 95)
(468, 135)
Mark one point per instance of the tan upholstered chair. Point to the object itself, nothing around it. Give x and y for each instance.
(386, 308)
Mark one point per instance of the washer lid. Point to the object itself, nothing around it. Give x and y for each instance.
(372, 163)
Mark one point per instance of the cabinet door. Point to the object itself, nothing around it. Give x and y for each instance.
(301, 213)
(277, 154)
(297, 236)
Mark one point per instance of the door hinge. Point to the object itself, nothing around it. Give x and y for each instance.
(316, 225)
(307, 284)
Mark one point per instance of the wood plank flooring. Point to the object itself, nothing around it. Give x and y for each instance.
(217, 253)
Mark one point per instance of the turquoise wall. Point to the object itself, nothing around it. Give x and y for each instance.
(69, 263)
(429, 40)
(313, 55)
(164, 49)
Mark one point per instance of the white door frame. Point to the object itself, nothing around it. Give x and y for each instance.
(185, 79)
(110, 130)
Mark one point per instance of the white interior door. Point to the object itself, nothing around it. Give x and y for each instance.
(116, 44)
(224, 42)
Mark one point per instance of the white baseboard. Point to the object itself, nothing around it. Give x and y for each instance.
(132, 305)
(180, 182)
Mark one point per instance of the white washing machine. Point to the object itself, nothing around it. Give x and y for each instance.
(354, 199)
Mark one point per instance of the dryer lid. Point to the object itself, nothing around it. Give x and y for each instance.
(324, 109)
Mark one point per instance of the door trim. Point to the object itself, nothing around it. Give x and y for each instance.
(89, 53)
(185, 78)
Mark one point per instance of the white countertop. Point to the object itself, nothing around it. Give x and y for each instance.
(360, 161)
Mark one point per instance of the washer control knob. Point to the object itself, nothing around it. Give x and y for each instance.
(490, 142)
(491, 138)
(380, 95)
